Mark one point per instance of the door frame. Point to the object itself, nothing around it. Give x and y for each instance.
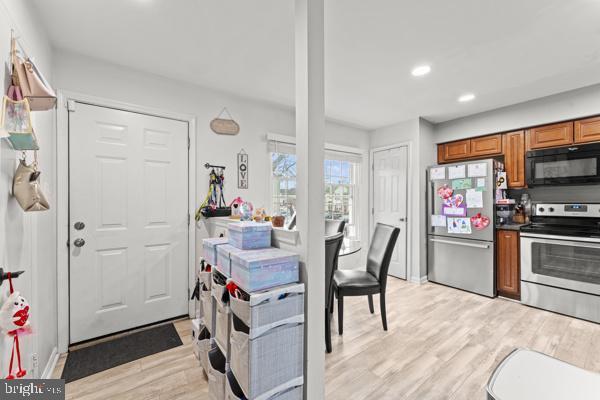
(62, 195)
(411, 220)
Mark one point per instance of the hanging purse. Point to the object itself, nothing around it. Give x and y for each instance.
(26, 187)
(34, 86)
(16, 121)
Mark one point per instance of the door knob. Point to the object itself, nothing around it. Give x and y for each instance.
(79, 242)
(79, 225)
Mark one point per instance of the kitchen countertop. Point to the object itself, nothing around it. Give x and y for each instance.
(510, 227)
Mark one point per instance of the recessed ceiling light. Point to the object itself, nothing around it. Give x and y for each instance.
(421, 70)
(466, 97)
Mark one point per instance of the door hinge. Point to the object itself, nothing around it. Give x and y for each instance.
(373, 211)
(189, 142)
(68, 243)
(71, 105)
(189, 219)
(189, 298)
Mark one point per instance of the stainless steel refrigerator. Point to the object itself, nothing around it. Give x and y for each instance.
(460, 245)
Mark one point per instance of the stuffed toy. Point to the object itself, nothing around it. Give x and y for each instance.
(14, 322)
(235, 205)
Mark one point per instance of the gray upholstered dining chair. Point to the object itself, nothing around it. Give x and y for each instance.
(373, 279)
(332, 251)
(333, 226)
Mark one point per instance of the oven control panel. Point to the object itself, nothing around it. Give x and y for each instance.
(567, 210)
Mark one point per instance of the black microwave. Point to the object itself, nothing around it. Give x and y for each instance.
(573, 165)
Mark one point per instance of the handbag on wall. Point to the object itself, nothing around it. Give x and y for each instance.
(15, 121)
(34, 87)
(26, 187)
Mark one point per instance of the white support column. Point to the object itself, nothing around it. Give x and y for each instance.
(310, 130)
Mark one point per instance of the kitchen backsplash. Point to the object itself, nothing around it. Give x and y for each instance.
(567, 194)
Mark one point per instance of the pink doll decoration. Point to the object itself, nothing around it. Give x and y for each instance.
(14, 321)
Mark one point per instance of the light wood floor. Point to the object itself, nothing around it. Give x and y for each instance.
(442, 343)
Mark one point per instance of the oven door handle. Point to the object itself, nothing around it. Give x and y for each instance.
(559, 239)
(479, 246)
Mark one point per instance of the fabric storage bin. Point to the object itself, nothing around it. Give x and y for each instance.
(204, 347)
(209, 247)
(224, 258)
(222, 327)
(268, 363)
(197, 309)
(269, 307)
(205, 278)
(249, 235)
(257, 270)
(206, 300)
(196, 327)
(233, 391)
(216, 374)
(219, 288)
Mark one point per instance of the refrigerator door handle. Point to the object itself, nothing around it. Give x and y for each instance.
(477, 245)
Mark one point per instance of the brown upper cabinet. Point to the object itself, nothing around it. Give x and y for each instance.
(514, 159)
(587, 130)
(470, 148)
(486, 146)
(554, 135)
(456, 150)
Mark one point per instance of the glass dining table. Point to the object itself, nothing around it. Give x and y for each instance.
(350, 247)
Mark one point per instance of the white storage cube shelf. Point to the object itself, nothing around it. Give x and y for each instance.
(257, 270)
(267, 362)
(224, 258)
(209, 247)
(249, 235)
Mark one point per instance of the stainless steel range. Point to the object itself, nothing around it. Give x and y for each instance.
(560, 259)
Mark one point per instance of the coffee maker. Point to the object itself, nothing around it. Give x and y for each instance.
(504, 213)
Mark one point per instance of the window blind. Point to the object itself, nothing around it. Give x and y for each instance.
(290, 148)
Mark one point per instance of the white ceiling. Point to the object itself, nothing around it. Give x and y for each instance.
(505, 51)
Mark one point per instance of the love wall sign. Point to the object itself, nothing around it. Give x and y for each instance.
(242, 169)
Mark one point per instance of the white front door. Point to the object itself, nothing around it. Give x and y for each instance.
(390, 169)
(128, 213)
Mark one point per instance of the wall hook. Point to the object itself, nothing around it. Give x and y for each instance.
(4, 275)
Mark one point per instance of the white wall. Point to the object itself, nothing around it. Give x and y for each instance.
(563, 106)
(81, 74)
(28, 241)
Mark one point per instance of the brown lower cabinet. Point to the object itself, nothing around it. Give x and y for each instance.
(508, 279)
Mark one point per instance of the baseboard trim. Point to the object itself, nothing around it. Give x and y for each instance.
(418, 281)
(47, 374)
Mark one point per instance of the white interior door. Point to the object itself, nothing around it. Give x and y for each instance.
(128, 186)
(390, 169)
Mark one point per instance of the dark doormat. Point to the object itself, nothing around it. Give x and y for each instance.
(102, 356)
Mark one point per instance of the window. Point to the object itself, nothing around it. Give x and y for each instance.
(341, 176)
(283, 179)
(340, 200)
